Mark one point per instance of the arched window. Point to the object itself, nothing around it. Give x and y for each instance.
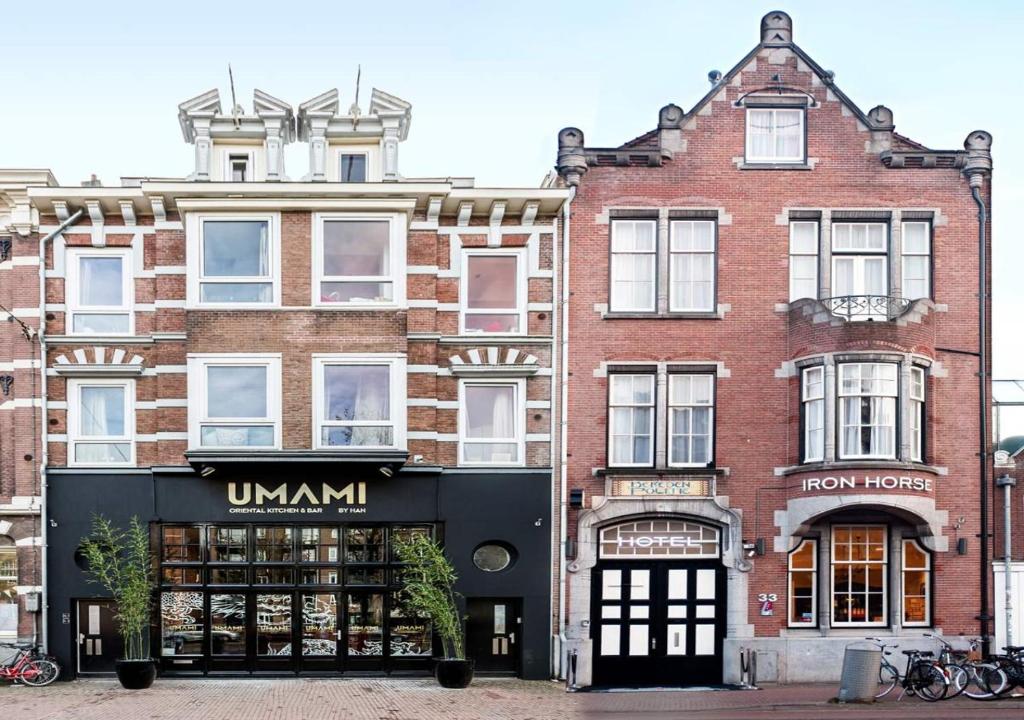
(8, 585)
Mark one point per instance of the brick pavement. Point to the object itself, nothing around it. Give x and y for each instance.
(422, 699)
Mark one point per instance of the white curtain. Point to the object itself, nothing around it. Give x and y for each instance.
(761, 134)
(372, 402)
(95, 419)
(264, 251)
(503, 422)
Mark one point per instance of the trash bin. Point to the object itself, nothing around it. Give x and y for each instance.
(859, 681)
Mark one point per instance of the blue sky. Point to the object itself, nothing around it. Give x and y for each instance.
(94, 88)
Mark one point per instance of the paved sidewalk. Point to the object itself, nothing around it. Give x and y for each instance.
(422, 699)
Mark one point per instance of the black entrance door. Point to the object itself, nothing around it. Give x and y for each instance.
(492, 634)
(658, 623)
(99, 644)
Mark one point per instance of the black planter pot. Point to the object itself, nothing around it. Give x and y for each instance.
(454, 673)
(136, 674)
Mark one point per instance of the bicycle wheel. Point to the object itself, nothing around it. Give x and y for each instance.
(928, 682)
(888, 678)
(984, 681)
(1011, 671)
(958, 678)
(40, 673)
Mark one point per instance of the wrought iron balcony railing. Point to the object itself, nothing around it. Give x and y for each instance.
(867, 307)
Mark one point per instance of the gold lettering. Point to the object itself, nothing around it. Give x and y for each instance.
(233, 495)
(346, 494)
(362, 493)
(304, 491)
(280, 494)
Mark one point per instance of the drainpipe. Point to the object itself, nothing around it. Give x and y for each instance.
(45, 455)
(563, 460)
(571, 166)
(979, 165)
(1006, 482)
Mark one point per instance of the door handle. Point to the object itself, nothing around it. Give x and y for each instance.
(654, 643)
(81, 638)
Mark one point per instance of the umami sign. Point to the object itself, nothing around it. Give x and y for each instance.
(284, 498)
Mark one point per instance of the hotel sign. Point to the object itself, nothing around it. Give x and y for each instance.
(308, 498)
(870, 483)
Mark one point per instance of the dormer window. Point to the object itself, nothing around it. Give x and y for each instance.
(238, 168)
(775, 136)
(353, 167)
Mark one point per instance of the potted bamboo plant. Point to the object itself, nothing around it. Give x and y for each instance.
(429, 592)
(119, 561)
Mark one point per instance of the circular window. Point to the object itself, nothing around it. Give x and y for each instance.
(493, 557)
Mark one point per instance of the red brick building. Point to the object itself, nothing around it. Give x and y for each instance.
(21, 454)
(282, 378)
(773, 393)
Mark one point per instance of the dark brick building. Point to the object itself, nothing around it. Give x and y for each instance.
(773, 392)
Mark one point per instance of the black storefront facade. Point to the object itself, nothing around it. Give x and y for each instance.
(288, 568)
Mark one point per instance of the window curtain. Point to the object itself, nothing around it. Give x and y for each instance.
(787, 134)
(372, 403)
(503, 421)
(883, 423)
(761, 145)
(264, 250)
(96, 420)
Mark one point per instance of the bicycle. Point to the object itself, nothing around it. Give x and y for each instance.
(28, 666)
(1012, 664)
(921, 678)
(974, 678)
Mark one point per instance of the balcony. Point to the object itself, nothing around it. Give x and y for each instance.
(859, 308)
(862, 322)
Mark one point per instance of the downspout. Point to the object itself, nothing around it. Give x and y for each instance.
(563, 460)
(977, 167)
(43, 423)
(1006, 482)
(571, 167)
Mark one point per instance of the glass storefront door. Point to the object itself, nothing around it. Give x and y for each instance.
(281, 599)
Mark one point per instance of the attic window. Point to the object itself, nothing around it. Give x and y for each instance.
(775, 136)
(238, 167)
(353, 167)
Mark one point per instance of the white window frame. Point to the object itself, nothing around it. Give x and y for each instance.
(795, 253)
(927, 569)
(927, 254)
(776, 159)
(197, 406)
(250, 164)
(916, 409)
(73, 287)
(519, 437)
(673, 253)
(844, 454)
(397, 277)
(11, 551)
(884, 562)
(860, 257)
(805, 404)
(813, 570)
(672, 378)
(653, 405)
(74, 387)
(396, 363)
(652, 307)
(194, 260)
(522, 291)
(366, 168)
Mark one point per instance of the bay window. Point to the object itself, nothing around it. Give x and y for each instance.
(775, 135)
(631, 420)
(101, 422)
(633, 266)
(358, 261)
(690, 409)
(803, 584)
(859, 575)
(494, 292)
(359, 401)
(100, 291)
(803, 260)
(692, 266)
(813, 412)
(234, 261)
(867, 410)
(917, 414)
(491, 420)
(916, 260)
(235, 401)
(916, 574)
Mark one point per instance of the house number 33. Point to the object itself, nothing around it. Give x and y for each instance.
(767, 597)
